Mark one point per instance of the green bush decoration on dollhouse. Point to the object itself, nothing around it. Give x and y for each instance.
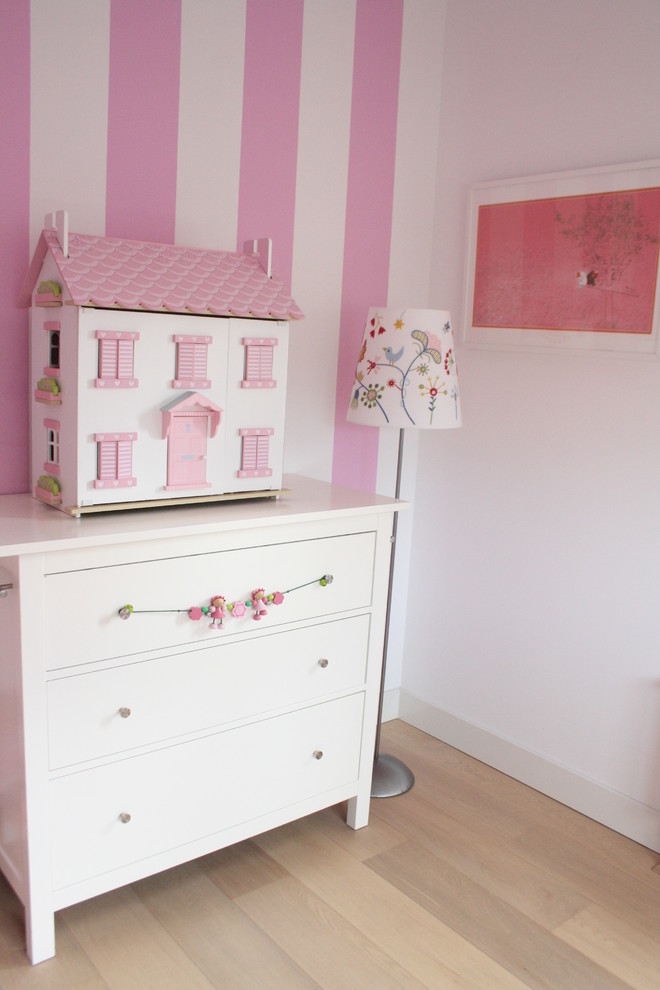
(48, 385)
(48, 484)
(49, 286)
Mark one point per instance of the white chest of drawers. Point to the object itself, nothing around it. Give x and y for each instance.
(128, 746)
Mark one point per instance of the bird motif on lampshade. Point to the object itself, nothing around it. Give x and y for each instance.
(392, 358)
(405, 375)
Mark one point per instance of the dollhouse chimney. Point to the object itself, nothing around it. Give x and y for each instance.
(263, 248)
(59, 222)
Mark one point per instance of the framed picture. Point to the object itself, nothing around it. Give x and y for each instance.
(568, 260)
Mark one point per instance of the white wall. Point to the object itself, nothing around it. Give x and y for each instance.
(532, 633)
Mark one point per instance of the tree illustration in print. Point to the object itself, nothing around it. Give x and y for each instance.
(611, 233)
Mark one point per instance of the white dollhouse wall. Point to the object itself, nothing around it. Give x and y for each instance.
(140, 409)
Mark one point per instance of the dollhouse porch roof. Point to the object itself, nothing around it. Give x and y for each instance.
(111, 272)
(191, 401)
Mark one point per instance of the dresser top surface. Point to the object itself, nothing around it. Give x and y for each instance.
(29, 526)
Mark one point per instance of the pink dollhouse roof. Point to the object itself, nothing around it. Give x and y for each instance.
(112, 272)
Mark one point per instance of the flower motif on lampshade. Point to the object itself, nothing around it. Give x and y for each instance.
(406, 371)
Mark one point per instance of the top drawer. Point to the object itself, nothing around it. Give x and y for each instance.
(82, 607)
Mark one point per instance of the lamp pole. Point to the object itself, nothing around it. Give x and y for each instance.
(390, 775)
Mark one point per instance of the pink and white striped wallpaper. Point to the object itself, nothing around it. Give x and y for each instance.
(208, 122)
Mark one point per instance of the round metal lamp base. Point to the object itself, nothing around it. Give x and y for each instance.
(391, 777)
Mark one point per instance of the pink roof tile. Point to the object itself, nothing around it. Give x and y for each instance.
(112, 272)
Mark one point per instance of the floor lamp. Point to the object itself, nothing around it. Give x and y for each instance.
(405, 378)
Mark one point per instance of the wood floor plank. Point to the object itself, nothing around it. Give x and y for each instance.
(517, 943)
(12, 927)
(615, 944)
(490, 863)
(327, 946)
(229, 949)
(460, 797)
(443, 773)
(423, 752)
(429, 949)
(241, 868)
(590, 872)
(71, 969)
(129, 947)
(362, 842)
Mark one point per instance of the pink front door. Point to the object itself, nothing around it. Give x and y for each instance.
(186, 452)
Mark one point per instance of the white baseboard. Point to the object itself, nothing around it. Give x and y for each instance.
(390, 705)
(631, 818)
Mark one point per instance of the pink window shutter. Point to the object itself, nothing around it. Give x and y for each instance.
(191, 360)
(258, 362)
(252, 364)
(185, 360)
(249, 454)
(262, 453)
(108, 358)
(116, 359)
(107, 460)
(266, 362)
(115, 460)
(254, 462)
(124, 359)
(199, 360)
(124, 459)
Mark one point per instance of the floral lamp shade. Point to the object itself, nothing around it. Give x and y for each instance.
(405, 375)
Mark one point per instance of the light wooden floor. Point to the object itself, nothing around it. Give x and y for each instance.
(469, 880)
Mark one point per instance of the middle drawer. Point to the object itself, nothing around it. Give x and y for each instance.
(100, 713)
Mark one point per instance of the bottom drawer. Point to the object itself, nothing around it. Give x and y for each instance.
(183, 793)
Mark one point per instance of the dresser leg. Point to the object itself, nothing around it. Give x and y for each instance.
(39, 935)
(357, 814)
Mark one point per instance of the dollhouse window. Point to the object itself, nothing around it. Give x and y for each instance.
(52, 328)
(115, 460)
(254, 462)
(52, 462)
(259, 362)
(116, 359)
(191, 362)
(54, 349)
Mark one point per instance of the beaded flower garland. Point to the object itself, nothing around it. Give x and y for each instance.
(219, 608)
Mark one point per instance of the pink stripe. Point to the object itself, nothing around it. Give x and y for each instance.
(143, 119)
(368, 232)
(269, 145)
(14, 240)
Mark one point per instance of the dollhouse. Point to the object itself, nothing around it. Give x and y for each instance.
(157, 372)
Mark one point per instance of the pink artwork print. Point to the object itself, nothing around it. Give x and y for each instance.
(581, 263)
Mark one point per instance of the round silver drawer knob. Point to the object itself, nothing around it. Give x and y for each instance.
(125, 712)
(323, 662)
(318, 754)
(124, 818)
